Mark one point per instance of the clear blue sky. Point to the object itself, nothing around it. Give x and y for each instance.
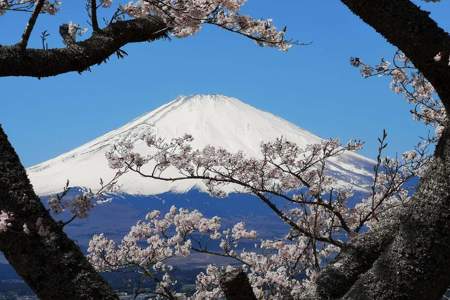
(313, 86)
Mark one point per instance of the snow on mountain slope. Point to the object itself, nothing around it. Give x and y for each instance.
(212, 120)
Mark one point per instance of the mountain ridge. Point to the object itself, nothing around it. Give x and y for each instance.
(211, 119)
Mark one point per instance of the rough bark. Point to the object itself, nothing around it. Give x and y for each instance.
(410, 259)
(412, 262)
(15, 61)
(357, 258)
(235, 286)
(416, 265)
(50, 263)
(411, 29)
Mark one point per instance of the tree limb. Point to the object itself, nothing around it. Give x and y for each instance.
(93, 6)
(412, 30)
(50, 263)
(416, 264)
(82, 55)
(31, 22)
(410, 260)
(355, 259)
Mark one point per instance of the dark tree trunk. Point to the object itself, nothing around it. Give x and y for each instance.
(50, 263)
(411, 29)
(411, 259)
(337, 278)
(235, 286)
(416, 264)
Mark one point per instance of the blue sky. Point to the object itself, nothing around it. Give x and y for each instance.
(312, 86)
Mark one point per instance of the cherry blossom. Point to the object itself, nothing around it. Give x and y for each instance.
(409, 82)
(75, 30)
(320, 218)
(82, 202)
(183, 18)
(106, 3)
(153, 241)
(272, 267)
(5, 220)
(186, 17)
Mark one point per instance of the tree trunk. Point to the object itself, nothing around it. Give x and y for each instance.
(36, 246)
(411, 29)
(412, 259)
(416, 265)
(235, 286)
(357, 258)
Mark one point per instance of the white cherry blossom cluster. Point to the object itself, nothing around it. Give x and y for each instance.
(317, 211)
(207, 283)
(81, 202)
(185, 18)
(409, 82)
(182, 17)
(51, 7)
(274, 272)
(5, 220)
(75, 30)
(273, 267)
(153, 241)
(285, 165)
(79, 205)
(106, 3)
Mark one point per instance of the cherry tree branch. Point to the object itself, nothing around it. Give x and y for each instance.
(93, 7)
(31, 22)
(255, 191)
(338, 277)
(295, 226)
(42, 254)
(81, 55)
(412, 30)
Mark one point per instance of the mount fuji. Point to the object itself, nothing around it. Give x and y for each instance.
(212, 120)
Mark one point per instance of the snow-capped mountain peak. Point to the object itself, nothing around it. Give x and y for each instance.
(211, 119)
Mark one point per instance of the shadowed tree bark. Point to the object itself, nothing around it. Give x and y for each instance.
(35, 245)
(408, 260)
(411, 29)
(236, 286)
(51, 264)
(15, 61)
(416, 264)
